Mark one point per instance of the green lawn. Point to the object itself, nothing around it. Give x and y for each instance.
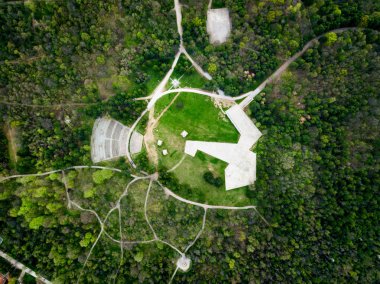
(187, 75)
(203, 121)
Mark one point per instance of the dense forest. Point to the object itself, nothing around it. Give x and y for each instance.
(64, 63)
(266, 33)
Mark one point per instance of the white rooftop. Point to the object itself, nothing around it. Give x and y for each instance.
(164, 152)
(159, 142)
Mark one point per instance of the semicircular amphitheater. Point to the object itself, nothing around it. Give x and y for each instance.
(109, 140)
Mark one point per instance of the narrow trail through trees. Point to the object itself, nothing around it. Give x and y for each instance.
(73, 205)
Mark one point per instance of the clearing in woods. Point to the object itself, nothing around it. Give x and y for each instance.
(204, 121)
(11, 134)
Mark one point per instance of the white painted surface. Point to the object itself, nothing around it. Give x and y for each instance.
(109, 140)
(241, 169)
(184, 133)
(175, 83)
(250, 134)
(183, 263)
(218, 25)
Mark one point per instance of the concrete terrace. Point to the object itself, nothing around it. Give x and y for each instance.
(109, 140)
(241, 169)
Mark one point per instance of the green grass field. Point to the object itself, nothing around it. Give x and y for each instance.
(203, 121)
(187, 75)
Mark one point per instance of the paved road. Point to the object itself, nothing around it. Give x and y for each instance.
(129, 157)
(252, 94)
(196, 66)
(154, 99)
(56, 171)
(23, 268)
(205, 206)
(178, 15)
(248, 97)
(47, 106)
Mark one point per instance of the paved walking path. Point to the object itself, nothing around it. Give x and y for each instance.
(252, 94)
(154, 99)
(71, 204)
(56, 171)
(23, 268)
(47, 106)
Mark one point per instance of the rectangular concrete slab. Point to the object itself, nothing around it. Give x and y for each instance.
(241, 169)
(250, 134)
(218, 25)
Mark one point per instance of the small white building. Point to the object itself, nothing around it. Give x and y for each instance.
(164, 152)
(159, 142)
(184, 133)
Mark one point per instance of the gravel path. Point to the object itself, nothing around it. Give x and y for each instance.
(252, 94)
(47, 106)
(56, 171)
(23, 268)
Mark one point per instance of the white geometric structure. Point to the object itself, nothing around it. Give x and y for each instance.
(175, 83)
(218, 25)
(184, 133)
(183, 263)
(109, 140)
(241, 169)
(164, 152)
(159, 142)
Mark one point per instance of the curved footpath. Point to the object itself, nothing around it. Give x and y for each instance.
(205, 206)
(249, 96)
(154, 99)
(56, 171)
(252, 94)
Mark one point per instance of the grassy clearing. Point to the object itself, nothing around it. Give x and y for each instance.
(203, 121)
(187, 75)
(199, 117)
(12, 137)
(108, 86)
(191, 172)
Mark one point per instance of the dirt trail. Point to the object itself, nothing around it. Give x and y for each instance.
(149, 135)
(149, 139)
(10, 133)
(47, 106)
(153, 178)
(252, 94)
